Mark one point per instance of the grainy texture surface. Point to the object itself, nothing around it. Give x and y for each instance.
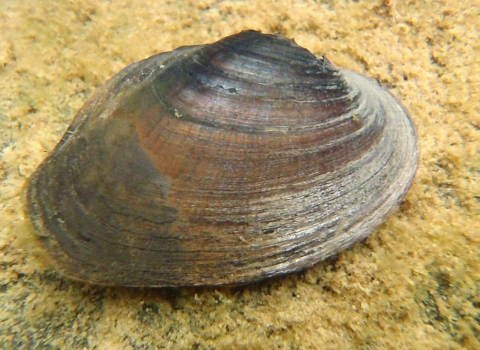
(413, 284)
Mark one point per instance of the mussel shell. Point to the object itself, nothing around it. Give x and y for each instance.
(222, 163)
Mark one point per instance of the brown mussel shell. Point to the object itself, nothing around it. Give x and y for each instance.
(222, 163)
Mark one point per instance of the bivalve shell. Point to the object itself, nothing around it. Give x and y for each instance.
(222, 163)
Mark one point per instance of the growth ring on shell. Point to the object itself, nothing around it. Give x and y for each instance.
(222, 163)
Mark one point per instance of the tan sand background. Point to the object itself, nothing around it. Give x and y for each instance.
(414, 284)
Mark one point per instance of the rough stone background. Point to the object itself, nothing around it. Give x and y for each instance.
(414, 284)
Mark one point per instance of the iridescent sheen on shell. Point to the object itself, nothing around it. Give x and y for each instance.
(222, 163)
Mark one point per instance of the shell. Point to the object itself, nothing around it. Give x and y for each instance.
(224, 163)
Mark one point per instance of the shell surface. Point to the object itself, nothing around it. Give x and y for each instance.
(222, 163)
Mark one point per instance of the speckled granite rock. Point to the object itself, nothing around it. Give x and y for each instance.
(414, 284)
